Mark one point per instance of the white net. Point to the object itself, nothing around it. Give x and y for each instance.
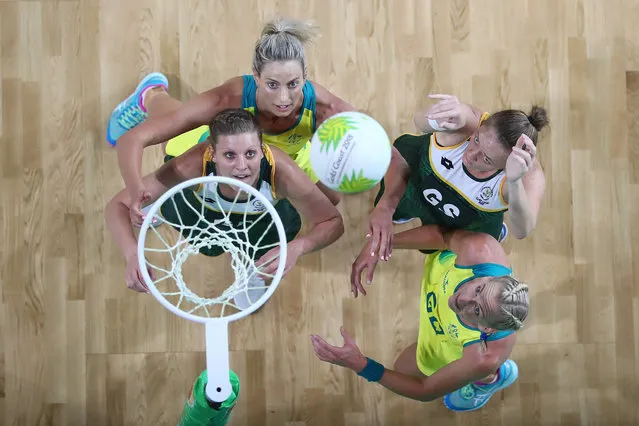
(237, 231)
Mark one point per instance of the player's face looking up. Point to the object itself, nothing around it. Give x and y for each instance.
(239, 156)
(484, 152)
(475, 301)
(279, 87)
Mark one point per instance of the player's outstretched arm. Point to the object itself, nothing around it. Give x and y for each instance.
(117, 215)
(155, 130)
(314, 207)
(472, 247)
(477, 363)
(469, 246)
(380, 224)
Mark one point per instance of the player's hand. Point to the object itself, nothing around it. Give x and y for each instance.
(269, 262)
(134, 279)
(139, 197)
(448, 112)
(380, 232)
(521, 159)
(367, 259)
(348, 356)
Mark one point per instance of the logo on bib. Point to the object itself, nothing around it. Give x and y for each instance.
(294, 138)
(453, 332)
(485, 194)
(447, 163)
(258, 206)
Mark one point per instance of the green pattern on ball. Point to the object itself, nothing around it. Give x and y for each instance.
(332, 131)
(356, 183)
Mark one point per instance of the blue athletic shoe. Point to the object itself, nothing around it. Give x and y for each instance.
(472, 396)
(504, 232)
(130, 112)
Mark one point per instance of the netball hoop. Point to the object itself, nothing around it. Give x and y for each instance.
(234, 233)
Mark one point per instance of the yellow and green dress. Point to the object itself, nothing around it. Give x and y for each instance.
(442, 335)
(294, 141)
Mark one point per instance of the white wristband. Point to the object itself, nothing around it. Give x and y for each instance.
(433, 124)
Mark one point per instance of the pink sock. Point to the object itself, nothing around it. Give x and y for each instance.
(143, 94)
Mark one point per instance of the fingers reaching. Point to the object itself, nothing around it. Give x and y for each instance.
(443, 112)
(269, 262)
(138, 200)
(348, 340)
(523, 155)
(370, 271)
(322, 349)
(356, 278)
(448, 126)
(356, 275)
(348, 355)
(525, 143)
(144, 196)
(137, 216)
(386, 244)
(137, 284)
(375, 241)
(380, 233)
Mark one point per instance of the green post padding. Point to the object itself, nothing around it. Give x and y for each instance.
(198, 411)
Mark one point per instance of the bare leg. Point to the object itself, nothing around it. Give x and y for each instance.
(158, 102)
(334, 196)
(406, 362)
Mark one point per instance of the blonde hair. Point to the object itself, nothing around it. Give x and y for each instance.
(283, 40)
(513, 305)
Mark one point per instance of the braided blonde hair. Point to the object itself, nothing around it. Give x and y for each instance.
(283, 40)
(513, 304)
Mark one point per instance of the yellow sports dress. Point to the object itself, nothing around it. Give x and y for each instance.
(294, 141)
(442, 336)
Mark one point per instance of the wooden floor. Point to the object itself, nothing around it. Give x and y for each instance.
(78, 348)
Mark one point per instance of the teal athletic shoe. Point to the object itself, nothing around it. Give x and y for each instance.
(473, 397)
(130, 112)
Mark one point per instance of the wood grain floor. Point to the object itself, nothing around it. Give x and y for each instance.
(78, 348)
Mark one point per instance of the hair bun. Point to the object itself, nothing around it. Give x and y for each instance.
(304, 31)
(538, 117)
